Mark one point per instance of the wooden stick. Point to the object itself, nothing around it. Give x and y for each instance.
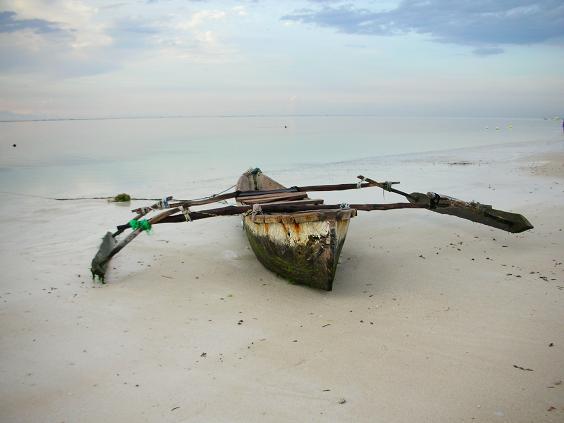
(387, 186)
(140, 213)
(259, 199)
(304, 201)
(282, 208)
(479, 213)
(139, 216)
(241, 194)
(154, 220)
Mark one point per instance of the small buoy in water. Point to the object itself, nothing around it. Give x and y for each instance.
(487, 127)
(13, 145)
(510, 126)
(497, 128)
(285, 126)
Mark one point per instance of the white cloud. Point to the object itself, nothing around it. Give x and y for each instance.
(240, 10)
(196, 38)
(77, 18)
(83, 39)
(200, 18)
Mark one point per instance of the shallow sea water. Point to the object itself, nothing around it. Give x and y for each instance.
(189, 157)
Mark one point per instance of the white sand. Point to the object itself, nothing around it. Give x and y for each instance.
(428, 318)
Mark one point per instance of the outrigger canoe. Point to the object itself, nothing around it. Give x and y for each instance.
(295, 236)
(302, 247)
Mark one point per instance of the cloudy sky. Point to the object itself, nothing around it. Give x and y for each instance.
(73, 58)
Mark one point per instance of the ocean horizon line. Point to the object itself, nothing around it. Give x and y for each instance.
(266, 115)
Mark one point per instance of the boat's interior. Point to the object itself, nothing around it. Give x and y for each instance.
(255, 180)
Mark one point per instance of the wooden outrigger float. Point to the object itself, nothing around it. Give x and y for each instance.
(294, 236)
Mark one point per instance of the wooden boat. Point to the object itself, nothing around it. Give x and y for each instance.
(295, 236)
(302, 247)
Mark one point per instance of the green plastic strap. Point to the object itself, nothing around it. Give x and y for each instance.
(142, 224)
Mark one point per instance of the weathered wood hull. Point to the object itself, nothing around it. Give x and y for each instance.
(305, 253)
(302, 247)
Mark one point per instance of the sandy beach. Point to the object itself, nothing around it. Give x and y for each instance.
(432, 318)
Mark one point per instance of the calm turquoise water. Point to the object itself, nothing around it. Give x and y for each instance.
(148, 157)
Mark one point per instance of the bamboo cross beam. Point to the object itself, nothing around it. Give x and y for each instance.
(278, 208)
(242, 194)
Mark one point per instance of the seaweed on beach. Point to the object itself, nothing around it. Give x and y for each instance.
(122, 198)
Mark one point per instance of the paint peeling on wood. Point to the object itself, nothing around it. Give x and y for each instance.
(303, 247)
(305, 253)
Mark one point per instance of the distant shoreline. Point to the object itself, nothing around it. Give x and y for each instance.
(263, 116)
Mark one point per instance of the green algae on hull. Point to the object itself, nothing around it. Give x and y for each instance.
(301, 247)
(312, 263)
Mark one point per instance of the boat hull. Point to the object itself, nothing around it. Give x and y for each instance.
(302, 248)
